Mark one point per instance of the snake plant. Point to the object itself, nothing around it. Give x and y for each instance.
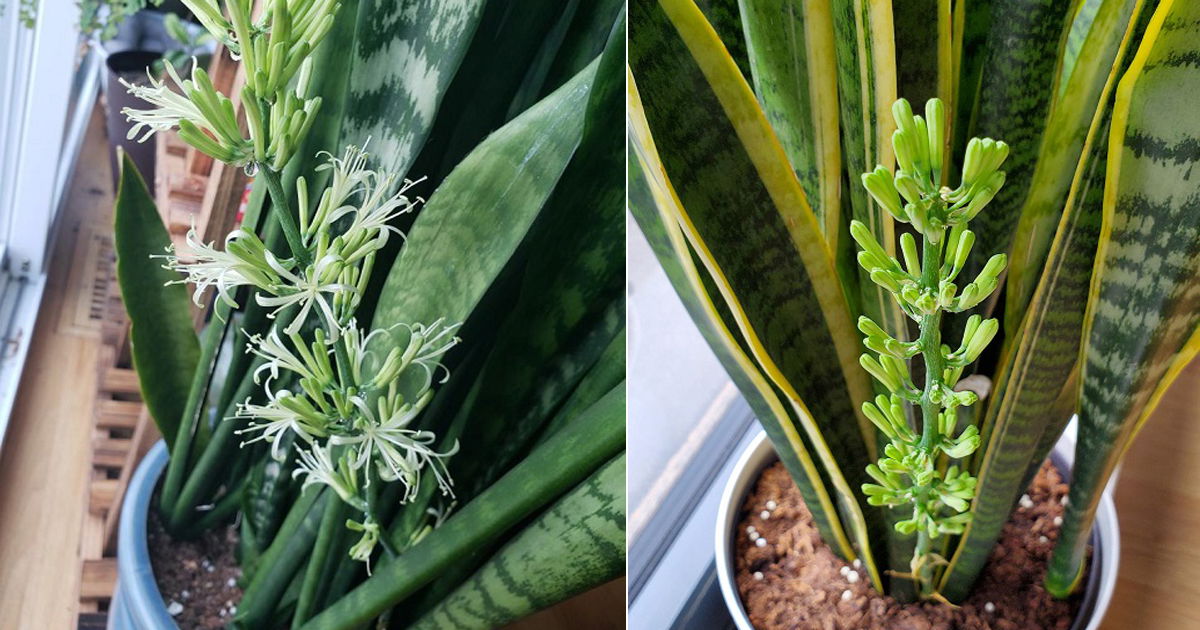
(749, 136)
(401, 402)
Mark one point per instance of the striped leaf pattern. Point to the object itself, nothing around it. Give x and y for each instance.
(1093, 71)
(649, 198)
(1016, 86)
(406, 54)
(1028, 389)
(1145, 305)
(529, 573)
(794, 69)
(866, 78)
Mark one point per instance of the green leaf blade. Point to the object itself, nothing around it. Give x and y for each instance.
(1145, 306)
(163, 342)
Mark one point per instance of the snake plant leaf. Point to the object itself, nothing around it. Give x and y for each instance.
(530, 89)
(1020, 58)
(794, 68)
(1082, 18)
(554, 467)
(285, 555)
(162, 340)
(659, 210)
(595, 23)
(571, 302)
(405, 55)
(481, 97)
(607, 373)
(726, 17)
(486, 207)
(650, 196)
(528, 574)
(1029, 388)
(745, 214)
(535, 367)
(1141, 326)
(924, 64)
(1097, 64)
(866, 79)
(1086, 189)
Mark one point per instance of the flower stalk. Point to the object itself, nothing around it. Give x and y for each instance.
(349, 415)
(909, 474)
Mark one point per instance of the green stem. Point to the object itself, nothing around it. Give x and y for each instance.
(279, 564)
(931, 351)
(317, 571)
(210, 344)
(282, 212)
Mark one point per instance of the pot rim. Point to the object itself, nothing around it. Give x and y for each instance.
(760, 453)
(137, 591)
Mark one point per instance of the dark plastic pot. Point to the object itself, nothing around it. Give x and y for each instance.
(1106, 539)
(138, 604)
(124, 64)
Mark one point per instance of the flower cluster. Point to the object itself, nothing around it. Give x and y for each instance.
(350, 413)
(350, 224)
(274, 51)
(914, 469)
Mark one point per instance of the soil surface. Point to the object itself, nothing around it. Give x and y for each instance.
(794, 580)
(197, 578)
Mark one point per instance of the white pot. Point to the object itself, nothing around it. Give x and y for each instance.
(1106, 539)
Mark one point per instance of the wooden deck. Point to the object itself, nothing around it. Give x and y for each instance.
(46, 457)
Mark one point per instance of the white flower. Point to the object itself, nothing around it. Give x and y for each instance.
(206, 266)
(403, 453)
(205, 117)
(307, 290)
(376, 207)
(278, 356)
(427, 344)
(283, 413)
(317, 467)
(170, 106)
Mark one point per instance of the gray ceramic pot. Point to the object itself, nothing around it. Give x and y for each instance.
(1106, 539)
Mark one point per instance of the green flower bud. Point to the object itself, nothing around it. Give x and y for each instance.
(908, 246)
(883, 190)
(907, 186)
(935, 119)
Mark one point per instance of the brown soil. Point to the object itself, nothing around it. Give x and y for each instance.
(803, 585)
(197, 578)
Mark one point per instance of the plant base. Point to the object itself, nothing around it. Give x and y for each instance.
(803, 584)
(197, 578)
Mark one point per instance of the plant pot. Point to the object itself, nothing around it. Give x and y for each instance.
(1106, 540)
(140, 41)
(137, 603)
(122, 65)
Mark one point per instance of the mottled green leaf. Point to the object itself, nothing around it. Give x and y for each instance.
(485, 207)
(792, 62)
(1098, 61)
(1145, 299)
(405, 55)
(587, 526)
